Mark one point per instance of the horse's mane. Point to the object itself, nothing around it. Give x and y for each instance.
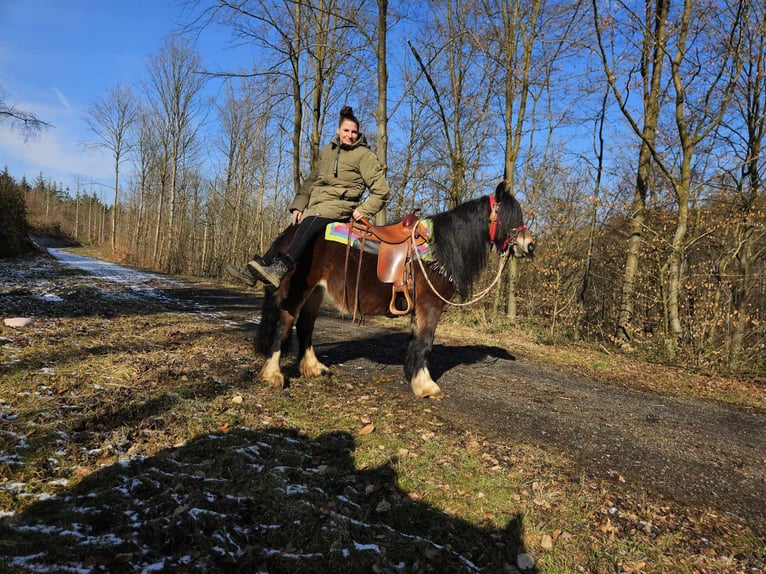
(460, 238)
(460, 242)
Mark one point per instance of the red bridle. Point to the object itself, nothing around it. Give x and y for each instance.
(495, 223)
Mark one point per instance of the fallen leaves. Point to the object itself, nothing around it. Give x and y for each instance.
(121, 395)
(633, 567)
(368, 426)
(546, 542)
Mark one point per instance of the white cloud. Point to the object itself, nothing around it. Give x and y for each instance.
(61, 98)
(54, 153)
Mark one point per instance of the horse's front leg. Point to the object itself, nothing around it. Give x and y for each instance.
(309, 365)
(422, 329)
(271, 373)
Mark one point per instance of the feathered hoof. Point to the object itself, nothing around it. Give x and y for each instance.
(274, 381)
(311, 366)
(271, 375)
(316, 370)
(424, 387)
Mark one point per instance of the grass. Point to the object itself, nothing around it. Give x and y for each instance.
(134, 438)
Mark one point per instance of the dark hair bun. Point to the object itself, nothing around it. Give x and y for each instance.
(347, 112)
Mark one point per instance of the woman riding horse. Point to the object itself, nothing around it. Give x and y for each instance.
(459, 242)
(333, 192)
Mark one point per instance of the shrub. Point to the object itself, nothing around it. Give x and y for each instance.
(13, 217)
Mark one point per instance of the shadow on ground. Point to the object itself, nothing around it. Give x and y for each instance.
(250, 501)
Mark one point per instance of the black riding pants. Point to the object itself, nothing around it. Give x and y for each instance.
(307, 229)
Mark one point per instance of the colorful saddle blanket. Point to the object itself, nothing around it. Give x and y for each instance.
(339, 232)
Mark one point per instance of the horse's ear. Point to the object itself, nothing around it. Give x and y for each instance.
(501, 190)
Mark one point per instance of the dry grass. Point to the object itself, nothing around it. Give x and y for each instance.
(134, 439)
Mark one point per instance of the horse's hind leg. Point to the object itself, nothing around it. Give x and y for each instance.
(309, 366)
(422, 329)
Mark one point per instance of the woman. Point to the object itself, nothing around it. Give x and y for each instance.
(333, 192)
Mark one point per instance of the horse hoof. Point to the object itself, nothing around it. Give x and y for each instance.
(315, 371)
(276, 383)
(273, 380)
(424, 387)
(310, 366)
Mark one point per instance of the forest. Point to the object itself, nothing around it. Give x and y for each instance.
(631, 132)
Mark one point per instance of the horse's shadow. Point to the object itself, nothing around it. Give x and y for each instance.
(253, 500)
(391, 348)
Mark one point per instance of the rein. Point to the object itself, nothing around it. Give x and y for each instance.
(479, 297)
(495, 223)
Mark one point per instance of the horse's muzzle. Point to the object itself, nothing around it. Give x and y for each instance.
(524, 245)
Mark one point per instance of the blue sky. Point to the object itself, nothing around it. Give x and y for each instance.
(58, 56)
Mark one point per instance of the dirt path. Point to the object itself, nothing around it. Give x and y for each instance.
(693, 451)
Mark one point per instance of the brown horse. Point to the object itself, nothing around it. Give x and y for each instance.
(460, 240)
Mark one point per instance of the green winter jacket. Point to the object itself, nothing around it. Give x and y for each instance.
(342, 173)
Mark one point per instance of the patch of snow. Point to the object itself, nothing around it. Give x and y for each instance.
(362, 547)
(18, 322)
(51, 298)
(141, 283)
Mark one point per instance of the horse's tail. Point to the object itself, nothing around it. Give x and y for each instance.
(267, 329)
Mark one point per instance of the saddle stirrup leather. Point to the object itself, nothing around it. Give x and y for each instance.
(395, 257)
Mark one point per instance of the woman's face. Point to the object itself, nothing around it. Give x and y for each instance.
(348, 132)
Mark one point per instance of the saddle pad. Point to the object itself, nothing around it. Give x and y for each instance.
(339, 231)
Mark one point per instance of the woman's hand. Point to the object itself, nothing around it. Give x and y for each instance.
(296, 216)
(356, 215)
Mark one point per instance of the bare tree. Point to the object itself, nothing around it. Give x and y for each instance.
(460, 96)
(357, 51)
(381, 115)
(517, 36)
(27, 123)
(652, 45)
(744, 132)
(147, 159)
(174, 89)
(110, 119)
(703, 84)
(245, 142)
(302, 47)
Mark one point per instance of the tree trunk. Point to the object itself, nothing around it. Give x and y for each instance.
(381, 116)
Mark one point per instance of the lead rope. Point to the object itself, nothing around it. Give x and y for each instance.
(481, 295)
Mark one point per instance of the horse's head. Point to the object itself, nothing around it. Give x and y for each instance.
(507, 229)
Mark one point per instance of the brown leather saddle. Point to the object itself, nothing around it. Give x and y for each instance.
(398, 242)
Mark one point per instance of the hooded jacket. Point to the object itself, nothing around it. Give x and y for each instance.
(336, 185)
